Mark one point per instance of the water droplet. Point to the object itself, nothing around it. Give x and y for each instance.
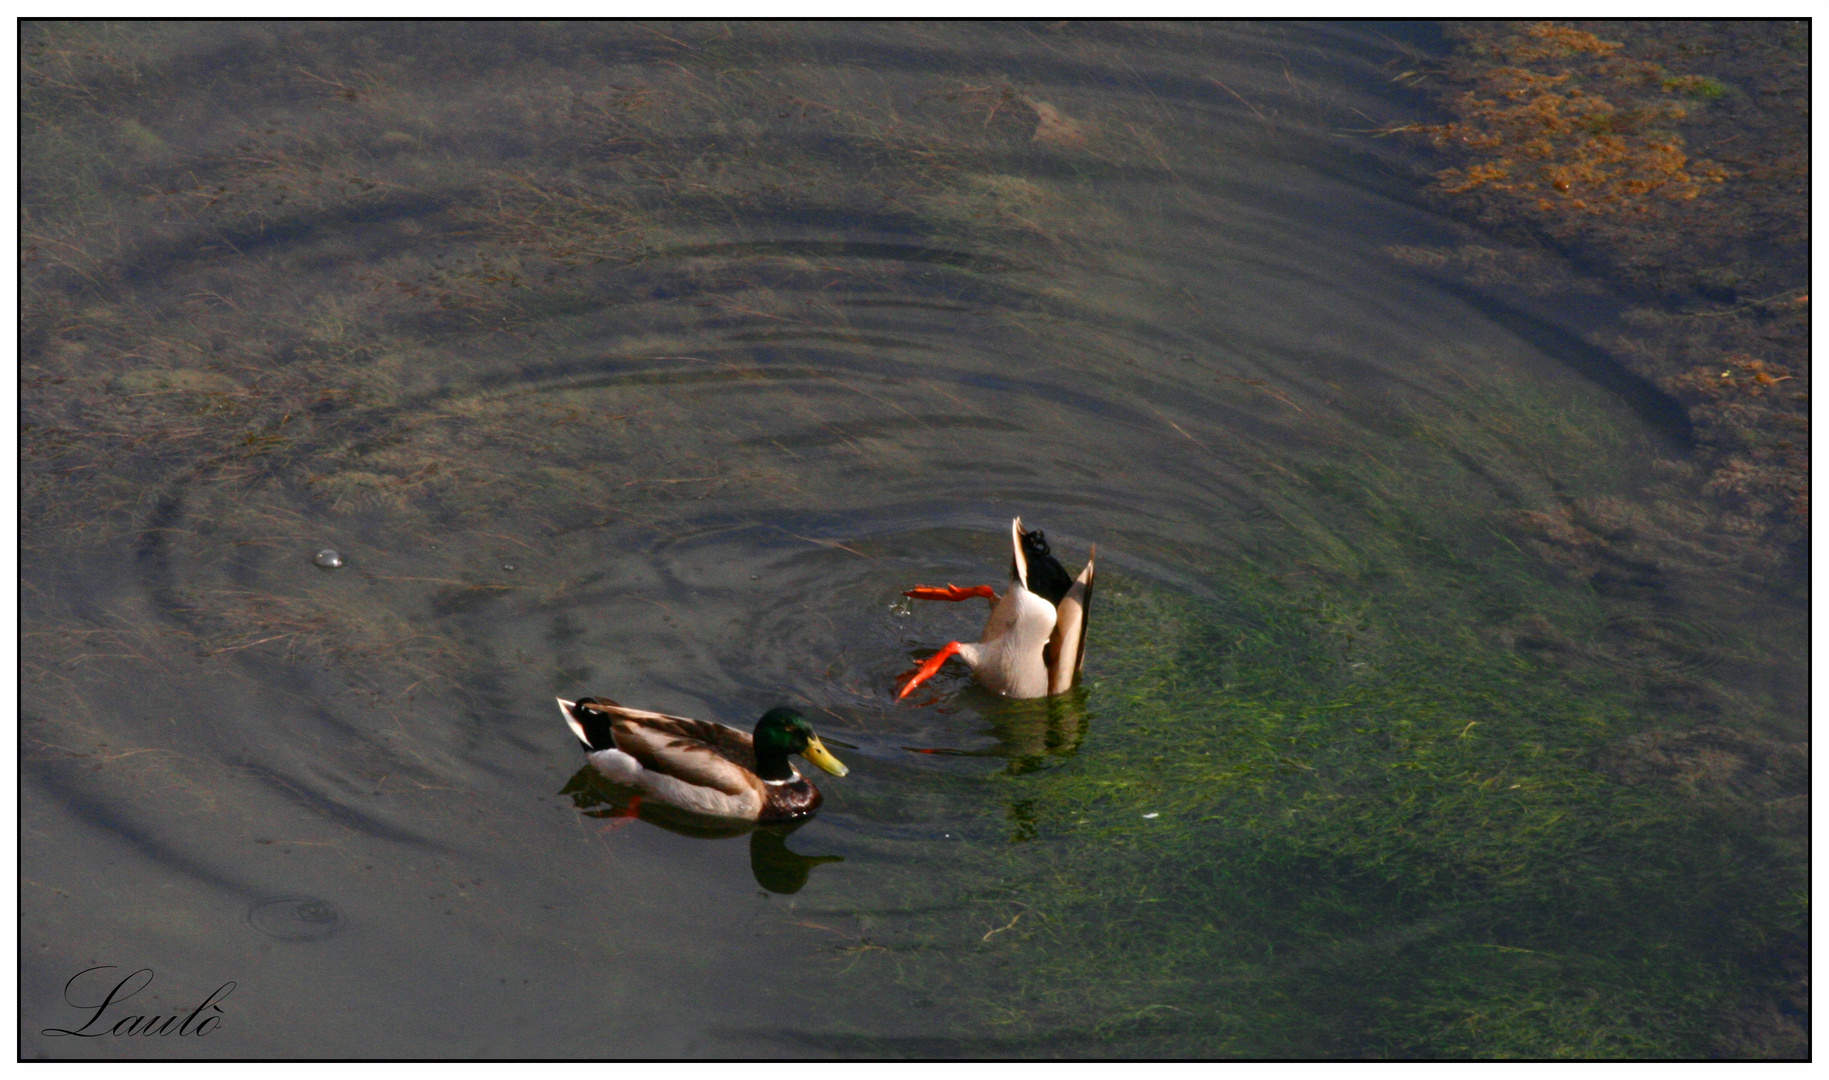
(328, 559)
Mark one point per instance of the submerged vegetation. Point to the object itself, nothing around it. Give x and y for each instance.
(1446, 835)
(1554, 837)
(1670, 159)
(1534, 133)
(1456, 815)
(1512, 826)
(256, 301)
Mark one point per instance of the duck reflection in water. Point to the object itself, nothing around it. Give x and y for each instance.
(775, 867)
(1028, 731)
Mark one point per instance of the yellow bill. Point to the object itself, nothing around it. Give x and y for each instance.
(817, 753)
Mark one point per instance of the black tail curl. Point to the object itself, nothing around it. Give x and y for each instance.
(596, 725)
(1047, 577)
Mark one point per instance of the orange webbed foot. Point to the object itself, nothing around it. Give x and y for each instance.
(951, 592)
(929, 669)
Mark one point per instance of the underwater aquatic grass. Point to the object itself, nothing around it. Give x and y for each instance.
(1437, 837)
(1375, 760)
(1375, 757)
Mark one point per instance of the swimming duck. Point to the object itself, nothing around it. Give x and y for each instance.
(700, 767)
(1035, 641)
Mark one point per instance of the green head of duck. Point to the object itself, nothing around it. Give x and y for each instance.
(783, 731)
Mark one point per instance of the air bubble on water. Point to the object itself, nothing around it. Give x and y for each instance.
(328, 559)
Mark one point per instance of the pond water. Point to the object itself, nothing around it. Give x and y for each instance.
(654, 362)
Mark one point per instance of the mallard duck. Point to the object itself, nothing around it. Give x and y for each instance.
(1035, 641)
(700, 767)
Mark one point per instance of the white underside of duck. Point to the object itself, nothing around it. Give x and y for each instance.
(1008, 659)
(621, 768)
(1031, 647)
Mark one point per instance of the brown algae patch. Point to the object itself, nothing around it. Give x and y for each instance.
(1669, 160)
(1536, 124)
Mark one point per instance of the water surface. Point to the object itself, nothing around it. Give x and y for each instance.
(656, 361)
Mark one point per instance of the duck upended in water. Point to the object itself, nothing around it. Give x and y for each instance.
(701, 767)
(1035, 640)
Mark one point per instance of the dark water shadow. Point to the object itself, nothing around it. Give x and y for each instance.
(846, 249)
(1658, 410)
(66, 789)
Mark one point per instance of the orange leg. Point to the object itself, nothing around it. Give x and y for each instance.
(951, 592)
(632, 810)
(929, 669)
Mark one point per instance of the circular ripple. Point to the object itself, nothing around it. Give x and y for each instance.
(295, 918)
(1657, 644)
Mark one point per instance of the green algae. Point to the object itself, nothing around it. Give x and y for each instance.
(1393, 791)
(1260, 854)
